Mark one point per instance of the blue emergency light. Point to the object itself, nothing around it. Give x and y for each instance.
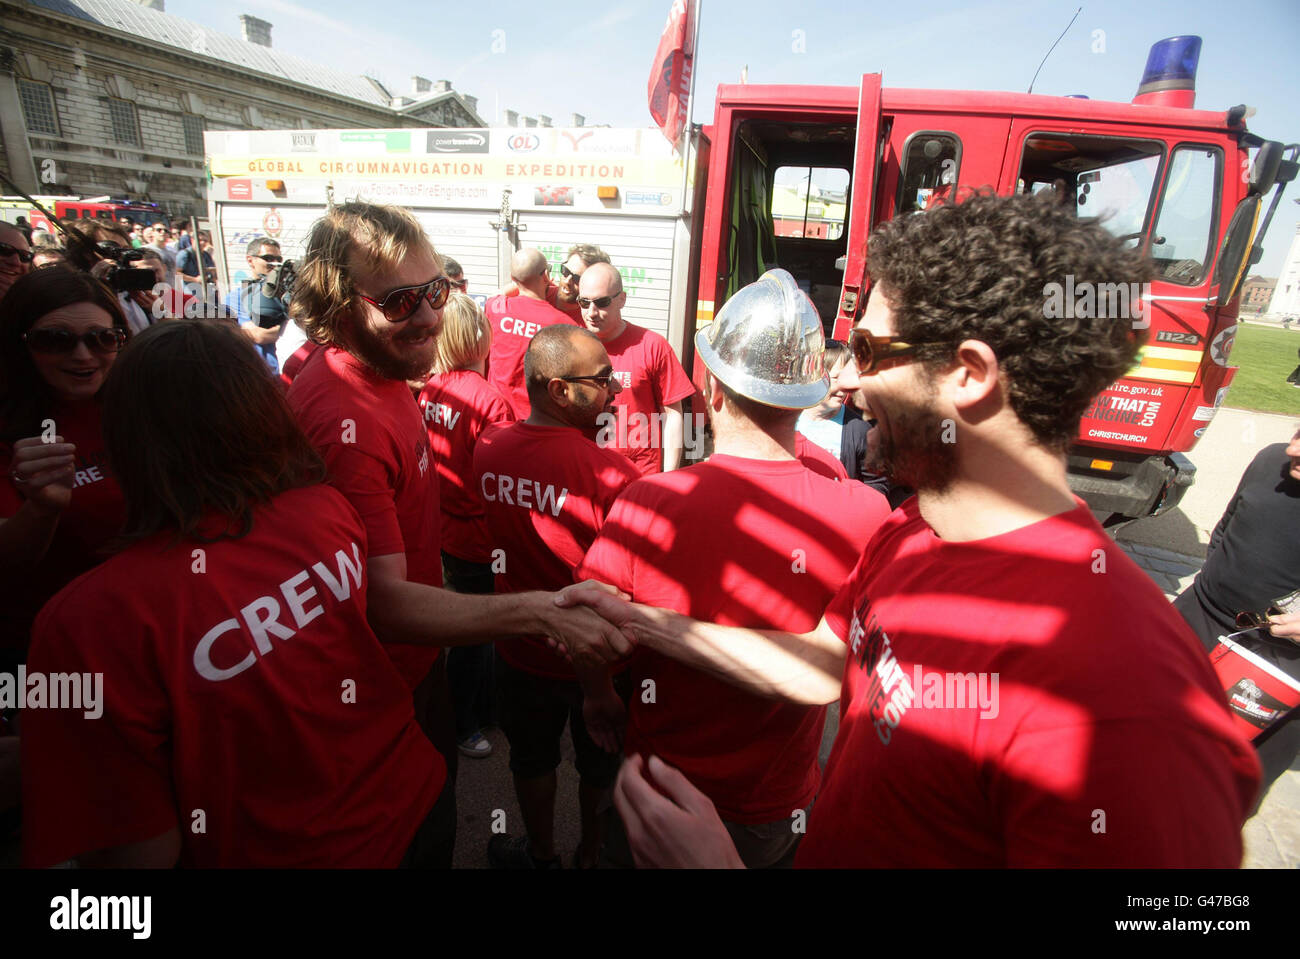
(1172, 64)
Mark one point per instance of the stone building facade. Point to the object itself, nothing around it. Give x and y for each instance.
(111, 97)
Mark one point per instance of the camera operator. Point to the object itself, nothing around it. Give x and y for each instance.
(261, 317)
(103, 250)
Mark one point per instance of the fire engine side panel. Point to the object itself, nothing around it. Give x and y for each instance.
(1143, 409)
(982, 140)
(1216, 372)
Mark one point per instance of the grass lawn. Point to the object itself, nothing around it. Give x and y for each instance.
(1266, 357)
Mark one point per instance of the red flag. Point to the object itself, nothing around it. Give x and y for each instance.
(670, 76)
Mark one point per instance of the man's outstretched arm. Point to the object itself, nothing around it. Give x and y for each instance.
(798, 667)
(404, 612)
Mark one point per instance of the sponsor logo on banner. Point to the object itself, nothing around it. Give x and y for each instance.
(303, 142)
(553, 196)
(599, 141)
(392, 141)
(574, 137)
(647, 198)
(460, 141)
(240, 189)
(523, 142)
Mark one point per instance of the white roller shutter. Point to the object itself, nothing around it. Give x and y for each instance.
(640, 247)
(466, 237)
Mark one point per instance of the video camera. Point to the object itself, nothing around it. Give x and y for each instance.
(122, 277)
(278, 282)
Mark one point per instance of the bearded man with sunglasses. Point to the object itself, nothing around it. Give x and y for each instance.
(647, 418)
(370, 291)
(1106, 741)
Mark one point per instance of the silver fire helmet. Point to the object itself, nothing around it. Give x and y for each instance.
(766, 343)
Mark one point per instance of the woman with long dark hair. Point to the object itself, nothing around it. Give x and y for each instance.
(60, 333)
(249, 716)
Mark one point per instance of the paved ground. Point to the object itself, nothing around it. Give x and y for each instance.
(1170, 548)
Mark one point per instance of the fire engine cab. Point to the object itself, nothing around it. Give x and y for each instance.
(1162, 176)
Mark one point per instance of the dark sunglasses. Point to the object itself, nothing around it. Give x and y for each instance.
(569, 274)
(400, 305)
(23, 255)
(600, 302)
(269, 259)
(55, 340)
(604, 380)
(869, 352)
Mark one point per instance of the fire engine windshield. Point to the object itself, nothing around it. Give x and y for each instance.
(1111, 178)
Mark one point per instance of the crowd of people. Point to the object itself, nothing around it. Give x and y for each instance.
(377, 519)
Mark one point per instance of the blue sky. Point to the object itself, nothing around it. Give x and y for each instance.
(556, 59)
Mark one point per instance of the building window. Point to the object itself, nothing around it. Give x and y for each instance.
(126, 126)
(193, 133)
(38, 107)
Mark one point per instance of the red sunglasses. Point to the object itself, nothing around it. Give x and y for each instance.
(401, 304)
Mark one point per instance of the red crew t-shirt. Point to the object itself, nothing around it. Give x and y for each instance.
(515, 320)
(457, 407)
(1001, 696)
(239, 678)
(652, 378)
(740, 542)
(546, 490)
(95, 515)
(372, 437)
(817, 459)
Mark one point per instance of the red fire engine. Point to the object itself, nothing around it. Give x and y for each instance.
(1175, 181)
(136, 212)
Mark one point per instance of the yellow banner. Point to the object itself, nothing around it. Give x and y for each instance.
(549, 170)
